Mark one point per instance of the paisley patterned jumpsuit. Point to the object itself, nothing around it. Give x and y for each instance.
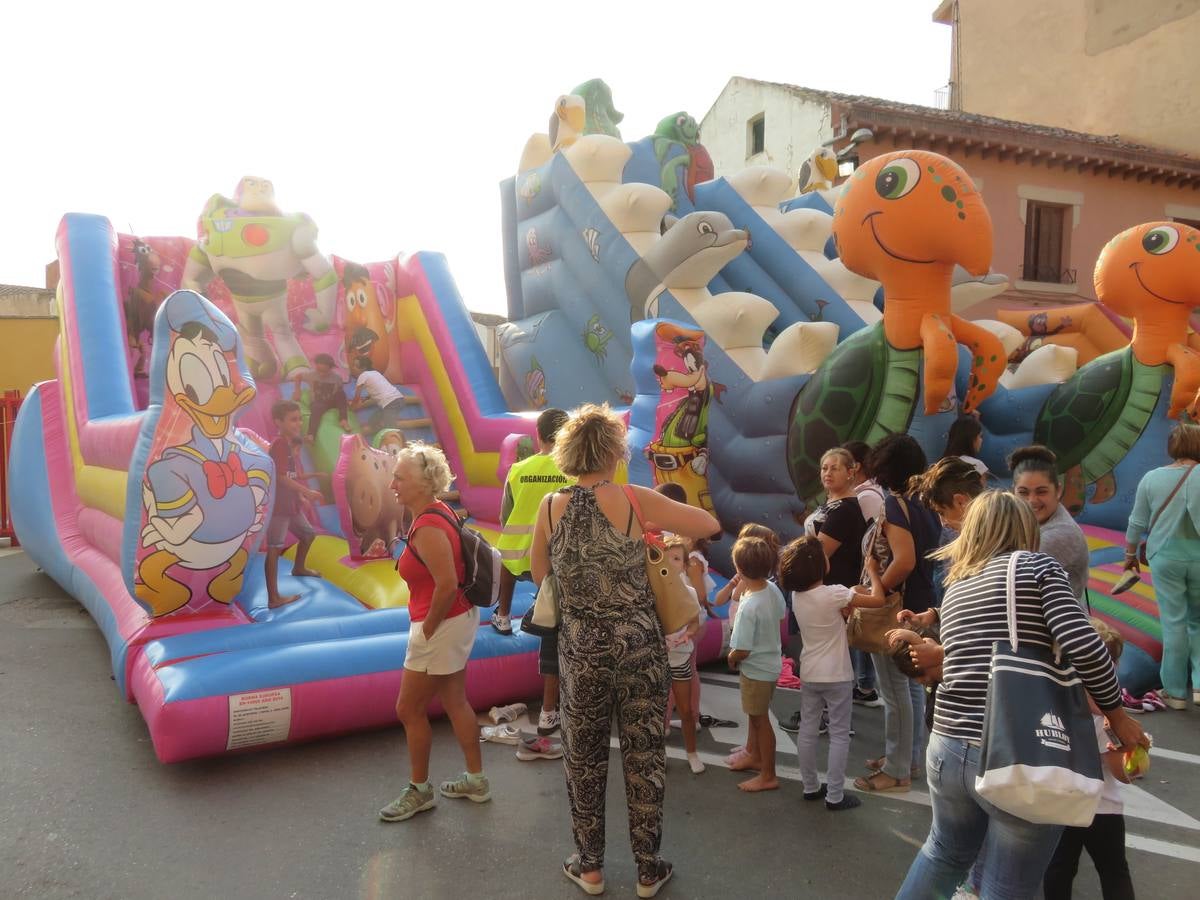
(612, 659)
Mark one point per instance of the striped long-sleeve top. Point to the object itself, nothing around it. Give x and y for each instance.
(974, 617)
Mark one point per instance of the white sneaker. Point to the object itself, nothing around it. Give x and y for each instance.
(548, 722)
(510, 713)
(695, 764)
(500, 734)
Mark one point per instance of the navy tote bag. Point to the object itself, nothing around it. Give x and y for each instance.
(1039, 759)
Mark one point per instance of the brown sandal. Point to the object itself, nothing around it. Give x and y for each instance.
(871, 785)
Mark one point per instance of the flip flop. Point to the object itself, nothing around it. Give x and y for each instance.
(870, 786)
(574, 871)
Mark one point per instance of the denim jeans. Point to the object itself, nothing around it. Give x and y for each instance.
(916, 691)
(903, 714)
(964, 824)
(864, 669)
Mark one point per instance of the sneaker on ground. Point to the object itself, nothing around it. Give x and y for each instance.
(464, 786)
(510, 713)
(818, 794)
(410, 802)
(548, 722)
(1173, 702)
(848, 801)
(500, 734)
(502, 624)
(1131, 704)
(1151, 702)
(539, 748)
(792, 724)
(867, 698)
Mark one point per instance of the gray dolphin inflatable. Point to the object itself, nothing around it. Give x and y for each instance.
(683, 240)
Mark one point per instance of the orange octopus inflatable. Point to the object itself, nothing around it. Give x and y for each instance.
(1151, 273)
(905, 219)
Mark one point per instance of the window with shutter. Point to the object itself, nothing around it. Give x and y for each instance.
(1044, 229)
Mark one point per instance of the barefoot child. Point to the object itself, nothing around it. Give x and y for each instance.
(679, 657)
(732, 594)
(755, 652)
(825, 666)
(290, 492)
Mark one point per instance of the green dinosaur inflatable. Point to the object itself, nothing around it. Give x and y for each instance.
(602, 117)
(681, 129)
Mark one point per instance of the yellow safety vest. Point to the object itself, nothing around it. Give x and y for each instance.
(529, 481)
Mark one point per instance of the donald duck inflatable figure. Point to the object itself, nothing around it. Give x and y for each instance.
(203, 498)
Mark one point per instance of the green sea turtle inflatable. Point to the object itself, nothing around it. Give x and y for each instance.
(1150, 273)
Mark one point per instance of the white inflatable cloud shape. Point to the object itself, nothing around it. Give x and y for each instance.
(736, 321)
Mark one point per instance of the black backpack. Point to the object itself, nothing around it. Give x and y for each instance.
(481, 562)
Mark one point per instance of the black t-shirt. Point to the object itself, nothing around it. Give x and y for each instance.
(842, 520)
(287, 500)
(926, 530)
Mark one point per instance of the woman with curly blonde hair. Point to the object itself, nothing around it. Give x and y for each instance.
(612, 652)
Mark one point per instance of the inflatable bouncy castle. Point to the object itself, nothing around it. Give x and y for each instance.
(838, 321)
(742, 327)
(142, 484)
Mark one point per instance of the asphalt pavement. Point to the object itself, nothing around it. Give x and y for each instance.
(89, 812)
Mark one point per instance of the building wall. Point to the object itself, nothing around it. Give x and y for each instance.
(26, 352)
(795, 126)
(1097, 66)
(1106, 206)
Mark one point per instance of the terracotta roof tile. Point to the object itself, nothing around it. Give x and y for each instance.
(953, 117)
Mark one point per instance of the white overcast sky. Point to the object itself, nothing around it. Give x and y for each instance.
(390, 124)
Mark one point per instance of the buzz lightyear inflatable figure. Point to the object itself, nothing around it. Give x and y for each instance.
(256, 249)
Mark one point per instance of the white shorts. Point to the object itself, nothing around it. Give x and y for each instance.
(447, 651)
(677, 656)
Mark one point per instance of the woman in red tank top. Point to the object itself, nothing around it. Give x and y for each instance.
(440, 638)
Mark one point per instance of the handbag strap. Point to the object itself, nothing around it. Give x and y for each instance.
(635, 506)
(1170, 497)
(549, 530)
(1010, 592)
